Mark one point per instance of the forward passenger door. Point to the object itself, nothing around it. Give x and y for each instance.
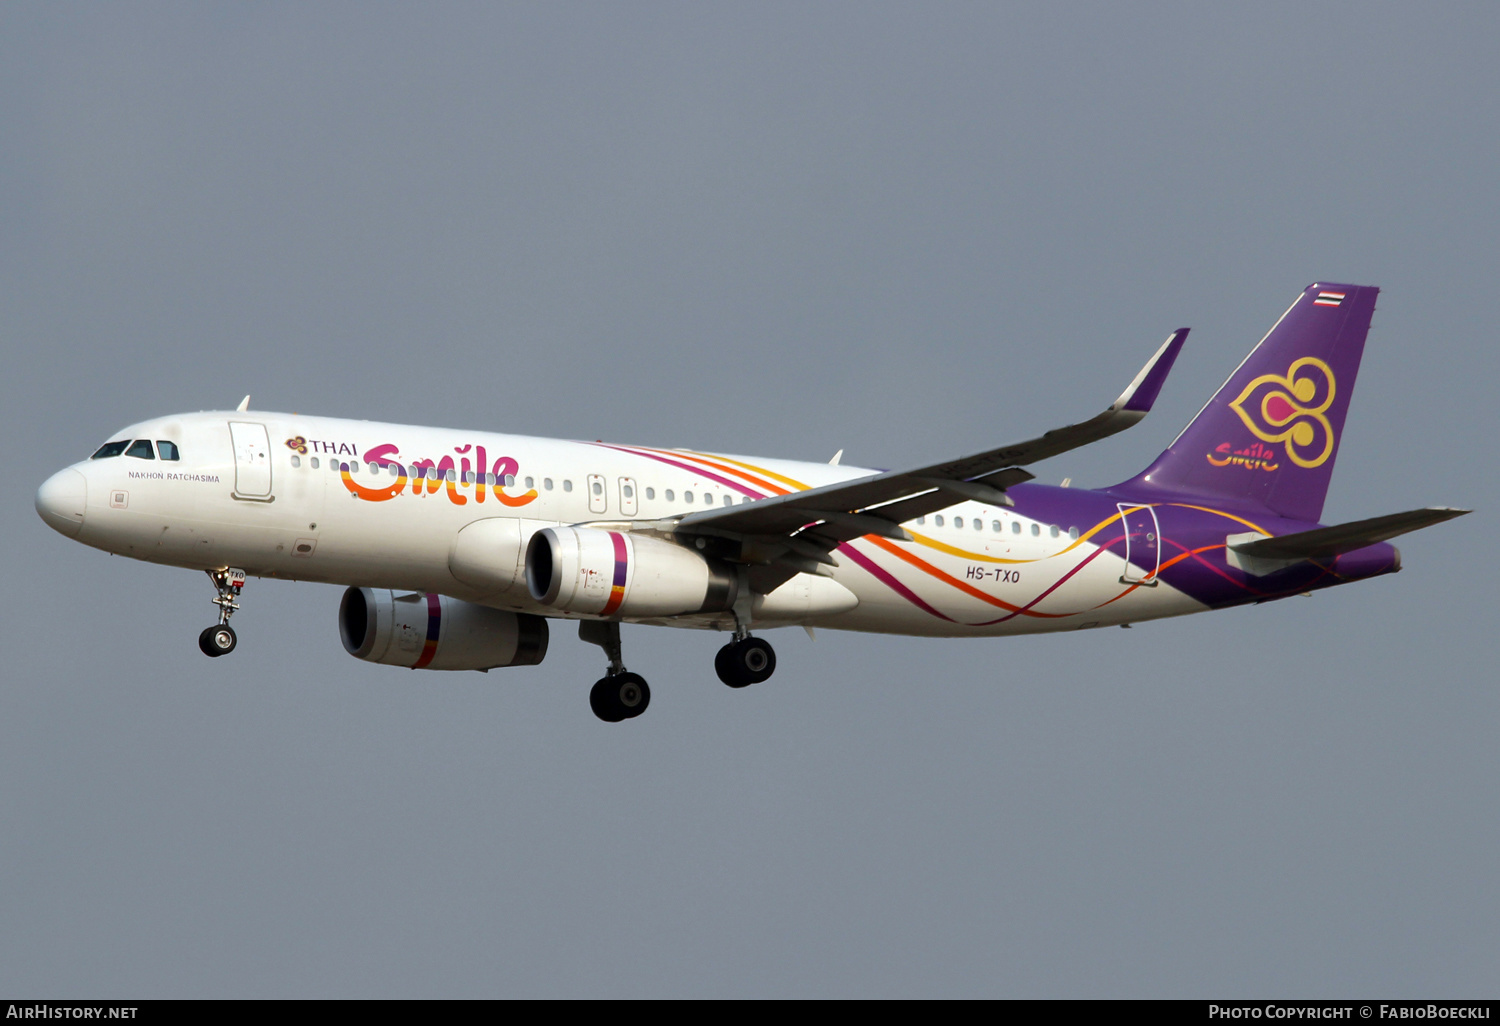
(252, 461)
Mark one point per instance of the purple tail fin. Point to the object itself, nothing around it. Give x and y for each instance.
(1268, 439)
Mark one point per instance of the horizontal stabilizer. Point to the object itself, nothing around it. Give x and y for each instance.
(1258, 555)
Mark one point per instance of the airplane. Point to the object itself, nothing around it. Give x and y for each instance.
(457, 548)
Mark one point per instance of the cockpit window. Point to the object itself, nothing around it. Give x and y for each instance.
(167, 449)
(141, 450)
(109, 449)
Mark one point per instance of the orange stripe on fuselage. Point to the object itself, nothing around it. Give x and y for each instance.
(946, 578)
(793, 483)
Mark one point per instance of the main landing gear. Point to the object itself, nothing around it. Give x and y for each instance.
(622, 695)
(745, 661)
(619, 694)
(219, 639)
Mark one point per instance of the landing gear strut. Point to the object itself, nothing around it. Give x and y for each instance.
(619, 694)
(220, 639)
(745, 660)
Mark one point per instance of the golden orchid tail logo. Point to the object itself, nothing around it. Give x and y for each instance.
(1291, 410)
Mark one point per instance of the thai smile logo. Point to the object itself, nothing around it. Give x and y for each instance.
(1291, 409)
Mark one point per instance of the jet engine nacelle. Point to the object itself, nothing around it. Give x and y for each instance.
(435, 632)
(613, 573)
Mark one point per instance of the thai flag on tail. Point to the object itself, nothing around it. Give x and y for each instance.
(1329, 298)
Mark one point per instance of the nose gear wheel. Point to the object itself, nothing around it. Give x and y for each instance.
(217, 641)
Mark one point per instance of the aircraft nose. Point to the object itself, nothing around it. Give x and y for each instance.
(60, 501)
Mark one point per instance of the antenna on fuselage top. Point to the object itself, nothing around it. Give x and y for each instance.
(244, 405)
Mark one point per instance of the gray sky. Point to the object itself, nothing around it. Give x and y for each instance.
(904, 231)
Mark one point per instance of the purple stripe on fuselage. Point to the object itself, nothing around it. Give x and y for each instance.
(1188, 524)
(889, 581)
(700, 471)
(1058, 584)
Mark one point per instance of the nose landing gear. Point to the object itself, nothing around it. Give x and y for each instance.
(220, 639)
(619, 694)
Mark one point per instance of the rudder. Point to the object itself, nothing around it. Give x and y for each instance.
(1269, 437)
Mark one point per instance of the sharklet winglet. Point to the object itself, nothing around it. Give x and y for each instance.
(1141, 393)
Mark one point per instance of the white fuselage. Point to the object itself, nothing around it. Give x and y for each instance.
(339, 501)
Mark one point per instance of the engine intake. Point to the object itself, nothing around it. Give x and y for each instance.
(613, 573)
(435, 632)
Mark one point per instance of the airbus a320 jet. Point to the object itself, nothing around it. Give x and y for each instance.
(459, 547)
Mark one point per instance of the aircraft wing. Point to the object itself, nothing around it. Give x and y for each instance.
(808, 524)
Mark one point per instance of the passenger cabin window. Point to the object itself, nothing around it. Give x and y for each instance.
(1055, 531)
(671, 496)
(141, 450)
(547, 483)
(995, 526)
(315, 463)
(729, 500)
(1036, 529)
(938, 520)
(650, 493)
(296, 461)
(1015, 527)
(109, 449)
(687, 497)
(567, 486)
(531, 482)
(167, 450)
(1073, 533)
